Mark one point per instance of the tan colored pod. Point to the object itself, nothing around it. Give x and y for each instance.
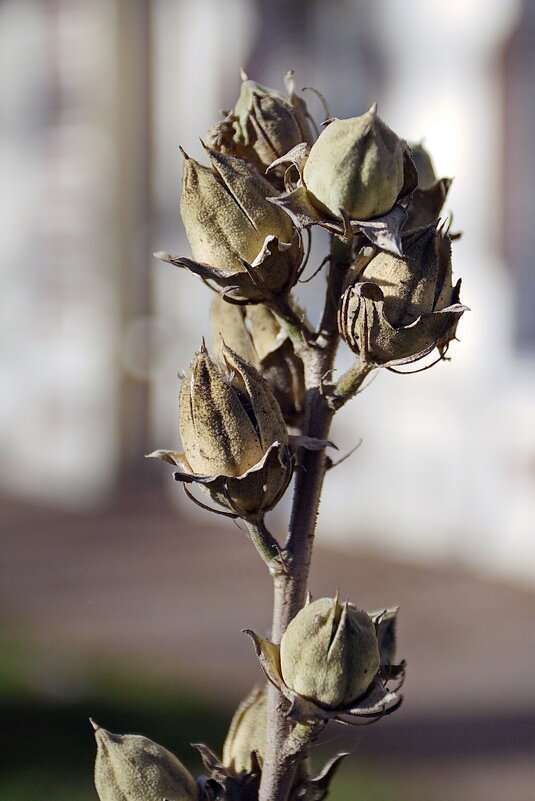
(130, 767)
(247, 733)
(356, 167)
(217, 431)
(329, 653)
(270, 122)
(229, 220)
(403, 307)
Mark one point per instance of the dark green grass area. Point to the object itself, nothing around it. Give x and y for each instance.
(47, 742)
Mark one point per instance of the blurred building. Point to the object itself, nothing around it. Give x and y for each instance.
(96, 95)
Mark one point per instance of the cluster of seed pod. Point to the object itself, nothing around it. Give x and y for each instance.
(271, 177)
(361, 182)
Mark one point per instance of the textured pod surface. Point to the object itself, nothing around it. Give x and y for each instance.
(247, 733)
(269, 122)
(234, 436)
(420, 282)
(403, 307)
(228, 324)
(130, 767)
(216, 427)
(329, 653)
(254, 335)
(227, 218)
(266, 414)
(357, 166)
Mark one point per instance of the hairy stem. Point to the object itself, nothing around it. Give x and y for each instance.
(283, 752)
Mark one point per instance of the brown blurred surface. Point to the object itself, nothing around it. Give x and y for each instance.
(148, 588)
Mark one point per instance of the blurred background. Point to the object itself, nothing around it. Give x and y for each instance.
(118, 598)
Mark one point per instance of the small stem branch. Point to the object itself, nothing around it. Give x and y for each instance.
(297, 328)
(265, 543)
(349, 383)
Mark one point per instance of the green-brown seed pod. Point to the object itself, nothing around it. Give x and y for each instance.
(226, 425)
(130, 767)
(228, 324)
(356, 166)
(254, 333)
(263, 126)
(329, 653)
(402, 308)
(246, 734)
(238, 238)
(429, 196)
(269, 122)
(424, 166)
(234, 436)
(218, 434)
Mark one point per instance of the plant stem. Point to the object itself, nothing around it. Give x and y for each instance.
(349, 383)
(282, 754)
(266, 544)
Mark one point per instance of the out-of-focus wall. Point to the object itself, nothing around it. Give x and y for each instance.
(94, 330)
(74, 269)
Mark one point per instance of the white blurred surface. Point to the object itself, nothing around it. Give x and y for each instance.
(447, 468)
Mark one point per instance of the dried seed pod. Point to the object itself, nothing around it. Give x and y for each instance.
(228, 324)
(329, 653)
(264, 124)
(269, 122)
(222, 431)
(335, 662)
(130, 767)
(238, 238)
(247, 733)
(424, 166)
(357, 178)
(357, 166)
(403, 307)
(429, 196)
(254, 333)
(234, 436)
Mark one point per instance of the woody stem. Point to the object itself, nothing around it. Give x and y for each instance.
(281, 757)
